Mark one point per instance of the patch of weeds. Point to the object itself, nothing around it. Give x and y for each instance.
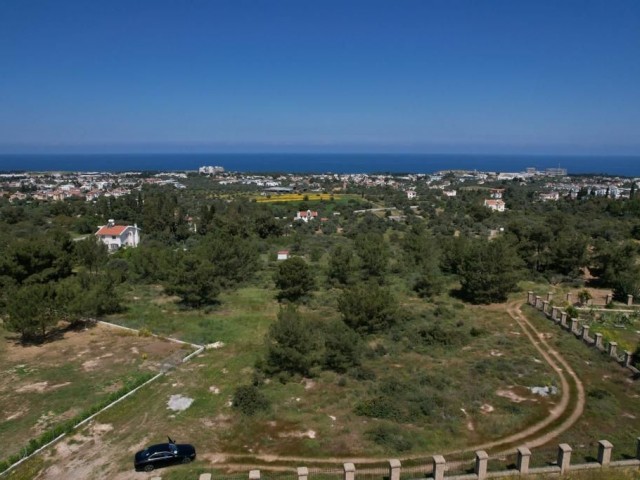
(393, 437)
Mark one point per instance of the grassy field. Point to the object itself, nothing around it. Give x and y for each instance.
(483, 384)
(43, 385)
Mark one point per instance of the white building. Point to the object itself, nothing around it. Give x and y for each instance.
(411, 194)
(283, 255)
(305, 216)
(209, 170)
(496, 205)
(117, 236)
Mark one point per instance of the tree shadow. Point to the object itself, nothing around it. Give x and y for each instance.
(53, 335)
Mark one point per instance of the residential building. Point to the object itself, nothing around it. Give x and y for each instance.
(117, 236)
(305, 216)
(496, 205)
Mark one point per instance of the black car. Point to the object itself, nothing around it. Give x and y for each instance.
(163, 454)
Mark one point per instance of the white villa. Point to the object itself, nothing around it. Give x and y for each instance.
(495, 205)
(303, 216)
(117, 236)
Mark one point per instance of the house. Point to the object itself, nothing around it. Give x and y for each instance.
(550, 197)
(116, 236)
(305, 216)
(449, 193)
(497, 193)
(411, 194)
(495, 205)
(283, 255)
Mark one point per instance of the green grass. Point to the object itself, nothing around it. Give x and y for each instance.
(467, 376)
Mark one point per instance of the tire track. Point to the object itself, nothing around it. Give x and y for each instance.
(567, 412)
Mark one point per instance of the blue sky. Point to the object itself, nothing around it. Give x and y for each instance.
(430, 76)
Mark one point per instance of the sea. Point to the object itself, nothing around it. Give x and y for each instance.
(627, 166)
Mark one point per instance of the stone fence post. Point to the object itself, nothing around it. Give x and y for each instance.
(563, 319)
(303, 473)
(574, 325)
(604, 452)
(564, 457)
(482, 459)
(254, 474)
(629, 300)
(538, 302)
(628, 356)
(549, 296)
(394, 469)
(554, 313)
(599, 341)
(530, 297)
(609, 299)
(545, 306)
(439, 466)
(569, 300)
(585, 333)
(349, 471)
(613, 349)
(524, 456)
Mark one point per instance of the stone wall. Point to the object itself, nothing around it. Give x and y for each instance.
(580, 331)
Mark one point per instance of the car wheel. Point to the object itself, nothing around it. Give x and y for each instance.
(148, 468)
(186, 460)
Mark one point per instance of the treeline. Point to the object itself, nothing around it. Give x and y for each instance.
(197, 244)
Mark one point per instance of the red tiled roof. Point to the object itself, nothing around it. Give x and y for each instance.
(110, 231)
(304, 214)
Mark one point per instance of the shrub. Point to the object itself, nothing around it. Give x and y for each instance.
(390, 436)
(250, 400)
(379, 407)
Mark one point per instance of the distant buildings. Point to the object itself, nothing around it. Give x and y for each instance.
(556, 172)
(208, 170)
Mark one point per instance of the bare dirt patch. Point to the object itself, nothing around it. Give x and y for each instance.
(511, 395)
(44, 385)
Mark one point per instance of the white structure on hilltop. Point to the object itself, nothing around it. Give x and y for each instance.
(117, 236)
(208, 170)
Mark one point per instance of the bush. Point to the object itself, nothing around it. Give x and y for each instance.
(390, 436)
(250, 400)
(379, 407)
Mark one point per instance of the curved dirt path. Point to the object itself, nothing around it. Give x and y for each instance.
(567, 412)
